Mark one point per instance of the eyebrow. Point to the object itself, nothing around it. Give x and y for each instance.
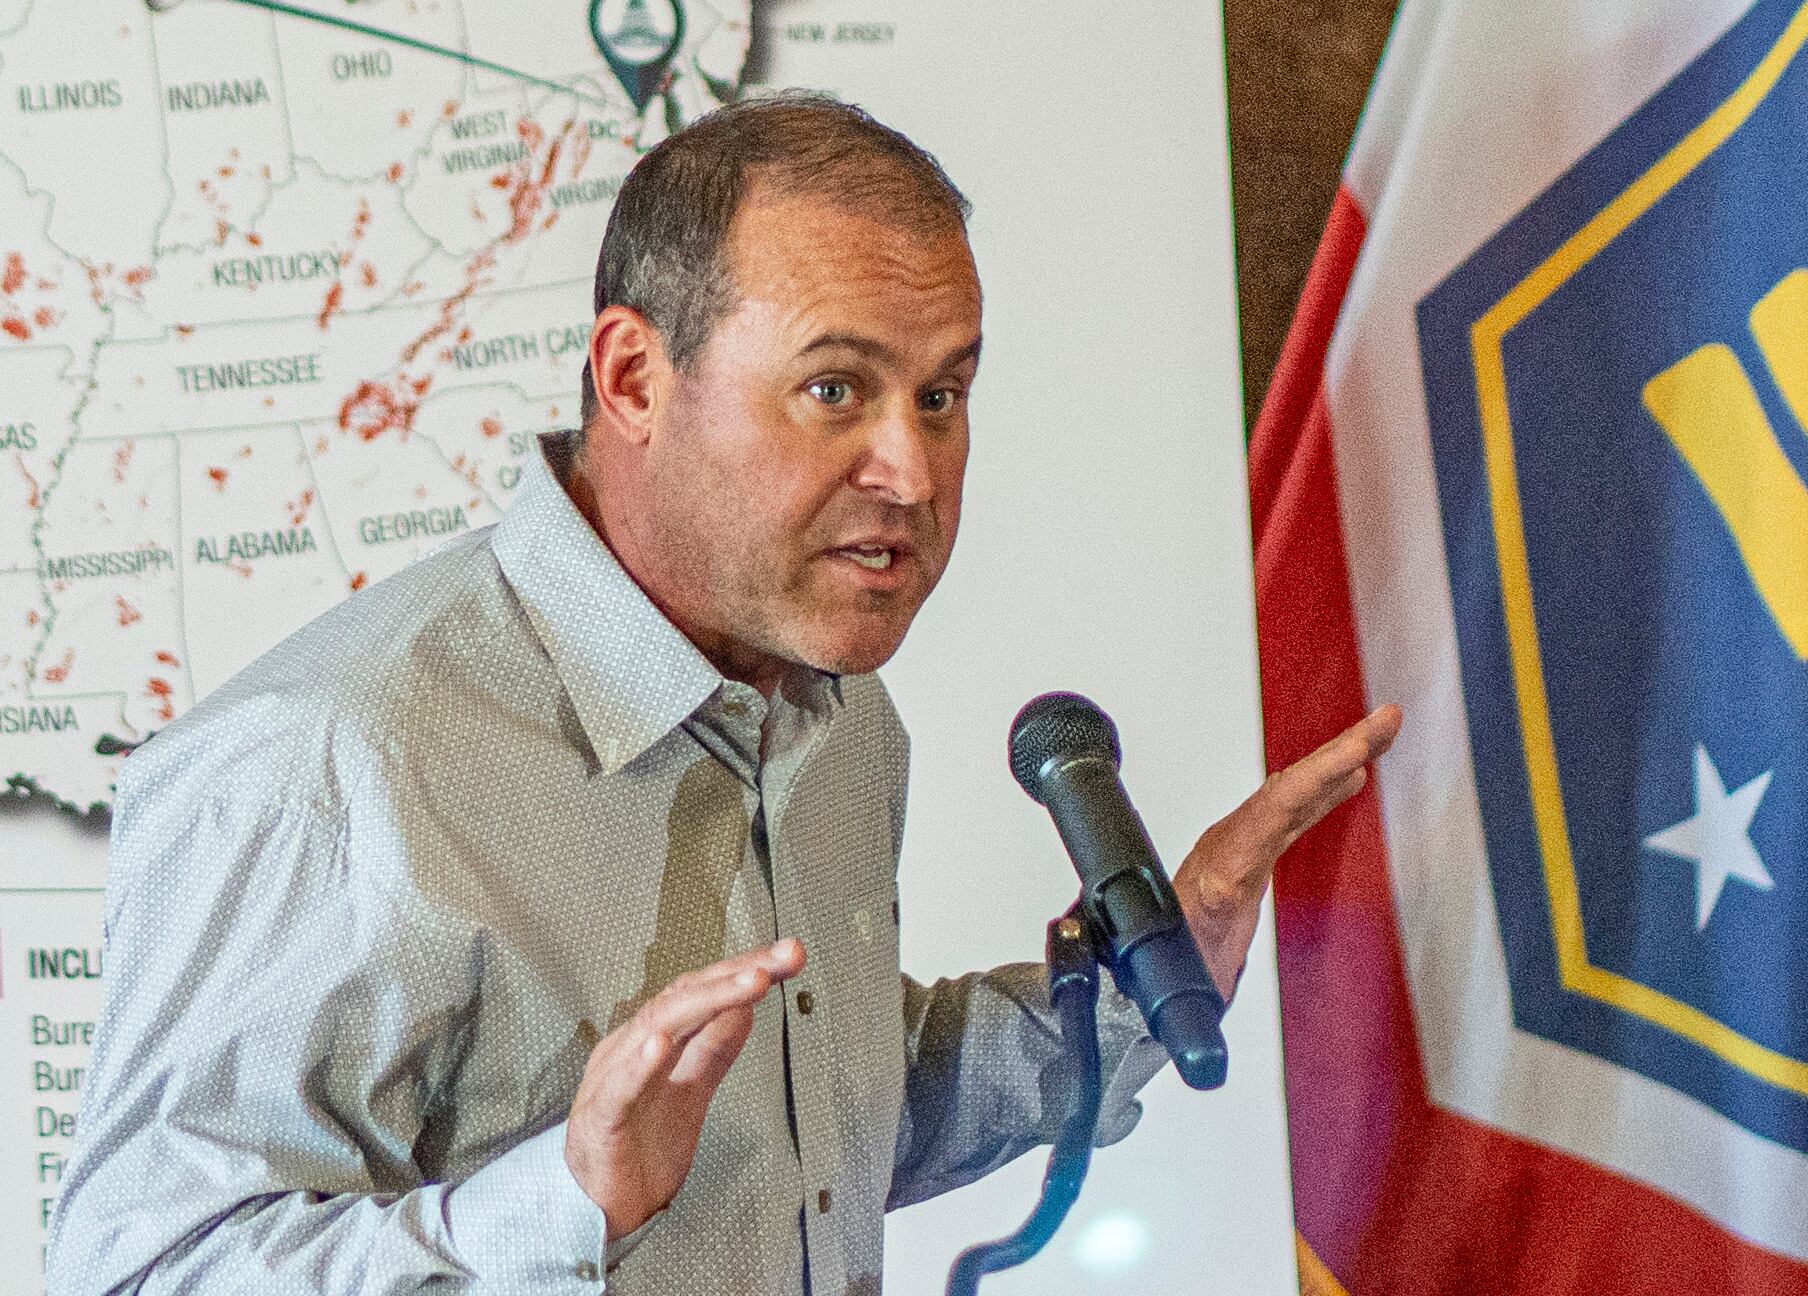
(877, 350)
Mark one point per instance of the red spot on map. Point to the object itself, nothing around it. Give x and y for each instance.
(359, 579)
(161, 690)
(330, 306)
(490, 427)
(375, 409)
(395, 172)
(218, 476)
(167, 658)
(17, 328)
(127, 613)
(13, 277)
(60, 672)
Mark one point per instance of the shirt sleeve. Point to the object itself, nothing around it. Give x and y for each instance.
(986, 1078)
(276, 1025)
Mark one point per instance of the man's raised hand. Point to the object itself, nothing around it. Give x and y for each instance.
(639, 1109)
(1221, 882)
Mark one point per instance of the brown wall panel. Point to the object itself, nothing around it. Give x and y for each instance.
(1298, 73)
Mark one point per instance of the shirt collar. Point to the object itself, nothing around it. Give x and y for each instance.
(632, 675)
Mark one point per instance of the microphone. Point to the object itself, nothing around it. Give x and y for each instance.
(1065, 754)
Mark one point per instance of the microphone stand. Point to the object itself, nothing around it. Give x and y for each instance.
(1073, 985)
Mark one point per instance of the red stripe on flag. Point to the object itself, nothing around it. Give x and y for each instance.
(1397, 1196)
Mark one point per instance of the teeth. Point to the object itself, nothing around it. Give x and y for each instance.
(871, 561)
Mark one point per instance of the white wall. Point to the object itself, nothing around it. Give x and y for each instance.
(1104, 549)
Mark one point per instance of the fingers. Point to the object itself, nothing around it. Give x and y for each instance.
(1306, 790)
(1291, 800)
(694, 999)
(648, 1060)
(712, 1050)
(646, 1049)
(1355, 747)
(1375, 732)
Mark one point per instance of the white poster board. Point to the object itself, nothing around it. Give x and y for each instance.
(1104, 546)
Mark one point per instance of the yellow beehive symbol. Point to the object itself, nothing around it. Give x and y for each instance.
(1709, 409)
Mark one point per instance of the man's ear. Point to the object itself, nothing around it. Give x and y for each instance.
(630, 375)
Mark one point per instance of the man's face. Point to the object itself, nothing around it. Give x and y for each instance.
(806, 473)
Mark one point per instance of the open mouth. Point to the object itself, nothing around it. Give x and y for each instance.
(870, 557)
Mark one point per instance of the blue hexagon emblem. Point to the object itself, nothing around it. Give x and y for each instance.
(1617, 385)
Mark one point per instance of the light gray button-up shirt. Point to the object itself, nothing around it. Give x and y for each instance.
(372, 902)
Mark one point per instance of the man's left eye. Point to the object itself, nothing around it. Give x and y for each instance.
(939, 401)
(832, 391)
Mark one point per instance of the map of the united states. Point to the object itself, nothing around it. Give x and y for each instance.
(286, 292)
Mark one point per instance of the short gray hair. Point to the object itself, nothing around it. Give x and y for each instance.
(664, 251)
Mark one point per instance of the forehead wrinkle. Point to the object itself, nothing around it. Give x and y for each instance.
(823, 313)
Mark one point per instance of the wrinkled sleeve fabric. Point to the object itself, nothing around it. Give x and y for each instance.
(276, 1025)
(986, 1079)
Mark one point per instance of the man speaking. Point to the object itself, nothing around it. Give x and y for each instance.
(528, 922)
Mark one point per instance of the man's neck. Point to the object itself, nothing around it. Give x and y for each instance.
(735, 661)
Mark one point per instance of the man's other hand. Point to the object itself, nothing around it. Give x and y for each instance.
(640, 1106)
(1221, 882)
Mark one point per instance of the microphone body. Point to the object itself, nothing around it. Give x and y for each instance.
(1065, 754)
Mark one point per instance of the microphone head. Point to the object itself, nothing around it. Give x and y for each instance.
(1057, 728)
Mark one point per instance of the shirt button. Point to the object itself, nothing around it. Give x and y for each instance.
(806, 1002)
(822, 1202)
(586, 1270)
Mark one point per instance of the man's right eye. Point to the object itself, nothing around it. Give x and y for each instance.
(833, 392)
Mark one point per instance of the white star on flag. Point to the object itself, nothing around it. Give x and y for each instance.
(1717, 837)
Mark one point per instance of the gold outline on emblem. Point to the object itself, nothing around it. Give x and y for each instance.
(1575, 972)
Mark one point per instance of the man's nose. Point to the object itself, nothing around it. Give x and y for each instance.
(897, 461)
